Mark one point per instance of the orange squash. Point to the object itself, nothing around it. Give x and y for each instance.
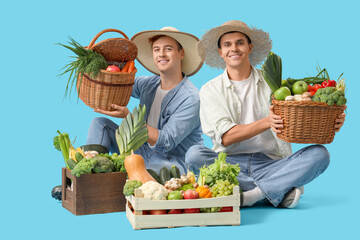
(203, 192)
(136, 170)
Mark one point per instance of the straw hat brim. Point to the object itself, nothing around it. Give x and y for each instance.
(208, 46)
(192, 61)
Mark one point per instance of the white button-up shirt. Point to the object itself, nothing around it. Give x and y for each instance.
(220, 110)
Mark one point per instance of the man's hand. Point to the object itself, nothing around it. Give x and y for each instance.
(119, 112)
(339, 122)
(275, 121)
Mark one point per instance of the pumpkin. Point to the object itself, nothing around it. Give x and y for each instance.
(203, 192)
(136, 170)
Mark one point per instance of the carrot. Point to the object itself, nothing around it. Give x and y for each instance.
(131, 66)
(126, 67)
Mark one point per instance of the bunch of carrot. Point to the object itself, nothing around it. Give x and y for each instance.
(129, 66)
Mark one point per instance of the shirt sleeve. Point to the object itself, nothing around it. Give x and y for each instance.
(214, 114)
(180, 124)
(138, 86)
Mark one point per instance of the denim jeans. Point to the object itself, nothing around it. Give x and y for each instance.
(274, 177)
(102, 131)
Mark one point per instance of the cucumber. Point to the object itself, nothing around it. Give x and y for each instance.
(164, 175)
(174, 172)
(71, 163)
(154, 175)
(78, 157)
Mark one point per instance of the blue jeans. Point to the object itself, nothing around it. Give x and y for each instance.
(274, 177)
(102, 131)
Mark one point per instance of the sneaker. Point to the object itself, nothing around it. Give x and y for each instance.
(302, 190)
(291, 199)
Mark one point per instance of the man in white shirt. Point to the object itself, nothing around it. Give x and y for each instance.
(235, 113)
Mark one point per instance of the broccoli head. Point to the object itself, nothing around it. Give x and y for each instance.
(84, 167)
(342, 101)
(103, 165)
(329, 90)
(130, 186)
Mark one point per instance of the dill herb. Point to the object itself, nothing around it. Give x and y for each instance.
(86, 62)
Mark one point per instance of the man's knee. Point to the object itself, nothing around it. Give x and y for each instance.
(321, 156)
(192, 155)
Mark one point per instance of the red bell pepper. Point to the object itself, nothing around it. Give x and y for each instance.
(328, 83)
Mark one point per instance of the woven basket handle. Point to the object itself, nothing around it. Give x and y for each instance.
(105, 31)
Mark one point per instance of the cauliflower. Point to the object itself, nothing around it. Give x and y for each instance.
(154, 191)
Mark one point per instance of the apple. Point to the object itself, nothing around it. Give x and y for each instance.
(192, 210)
(191, 194)
(158, 212)
(113, 68)
(282, 93)
(175, 211)
(299, 87)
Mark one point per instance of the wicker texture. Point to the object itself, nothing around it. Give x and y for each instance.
(106, 89)
(307, 121)
(109, 87)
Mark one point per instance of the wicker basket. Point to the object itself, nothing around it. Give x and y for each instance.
(109, 87)
(307, 121)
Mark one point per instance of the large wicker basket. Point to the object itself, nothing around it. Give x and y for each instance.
(109, 87)
(307, 121)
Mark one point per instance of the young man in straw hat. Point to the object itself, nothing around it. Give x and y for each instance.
(172, 101)
(235, 112)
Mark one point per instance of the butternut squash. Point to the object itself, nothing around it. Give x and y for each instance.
(136, 170)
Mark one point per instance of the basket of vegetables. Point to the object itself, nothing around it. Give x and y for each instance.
(308, 107)
(104, 72)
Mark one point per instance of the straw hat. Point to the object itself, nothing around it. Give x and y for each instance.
(192, 61)
(208, 46)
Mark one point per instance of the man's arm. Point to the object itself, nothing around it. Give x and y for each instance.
(153, 135)
(240, 133)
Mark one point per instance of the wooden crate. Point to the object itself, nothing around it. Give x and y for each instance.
(140, 221)
(93, 193)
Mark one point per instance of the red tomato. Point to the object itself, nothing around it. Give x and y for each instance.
(317, 86)
(226, 209)
(312, 93)
(175, 211)
(310, 88)
(192, 210)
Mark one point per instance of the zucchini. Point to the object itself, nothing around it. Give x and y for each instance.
(164, 175)
(78, 157)
(71, 163)
(174, 172)
(154, 175)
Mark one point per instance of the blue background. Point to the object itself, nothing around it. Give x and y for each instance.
(304, 33)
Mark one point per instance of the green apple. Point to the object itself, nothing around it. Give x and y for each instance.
(282, 93)
(299, 87)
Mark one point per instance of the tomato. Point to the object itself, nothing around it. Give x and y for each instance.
(192, 210)
(226, 209)
(310, 88)
(312, 93)
(175, 211)
(317, 86)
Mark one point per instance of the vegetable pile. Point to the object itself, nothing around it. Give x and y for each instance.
(304, 89)
(215, 180)
(131, 134)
